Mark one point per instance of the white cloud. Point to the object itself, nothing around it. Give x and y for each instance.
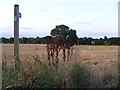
(40, 16)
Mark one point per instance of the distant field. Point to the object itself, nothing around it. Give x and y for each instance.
(83, 54)
(101, 61)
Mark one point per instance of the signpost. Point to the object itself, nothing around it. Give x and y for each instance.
(16, 35)
(119, 44)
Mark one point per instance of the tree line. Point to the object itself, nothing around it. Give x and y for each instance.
(80, 41)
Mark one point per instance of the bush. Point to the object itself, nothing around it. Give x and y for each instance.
(80, 77)
(40, 75)
(9, 78)
(31, 75)
(47, 78)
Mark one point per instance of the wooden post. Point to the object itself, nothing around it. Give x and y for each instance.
(119, 44)
(1, 64)
(16, 35)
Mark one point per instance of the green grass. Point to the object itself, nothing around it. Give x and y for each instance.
(41, 75)
(80, 77)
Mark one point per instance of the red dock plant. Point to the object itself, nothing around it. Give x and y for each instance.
(62, 38)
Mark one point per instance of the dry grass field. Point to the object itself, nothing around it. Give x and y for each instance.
(101, 61)
(82, 54)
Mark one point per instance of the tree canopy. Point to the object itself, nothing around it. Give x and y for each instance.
(64, 34)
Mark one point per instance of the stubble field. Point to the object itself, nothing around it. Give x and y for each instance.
(81, 54)
(101, 61)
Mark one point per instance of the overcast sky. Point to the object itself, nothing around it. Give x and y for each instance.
(90, 18)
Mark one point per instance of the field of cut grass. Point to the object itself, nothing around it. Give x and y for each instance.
(101, 62)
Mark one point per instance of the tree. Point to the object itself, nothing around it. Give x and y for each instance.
(105, 38)
(5, 40)
(72, 37)
(62, 38)
(37, 40)
(60, 30)
(31, 40)
(47, 39)
(64, 34)
(24, 40)
(11, 40)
